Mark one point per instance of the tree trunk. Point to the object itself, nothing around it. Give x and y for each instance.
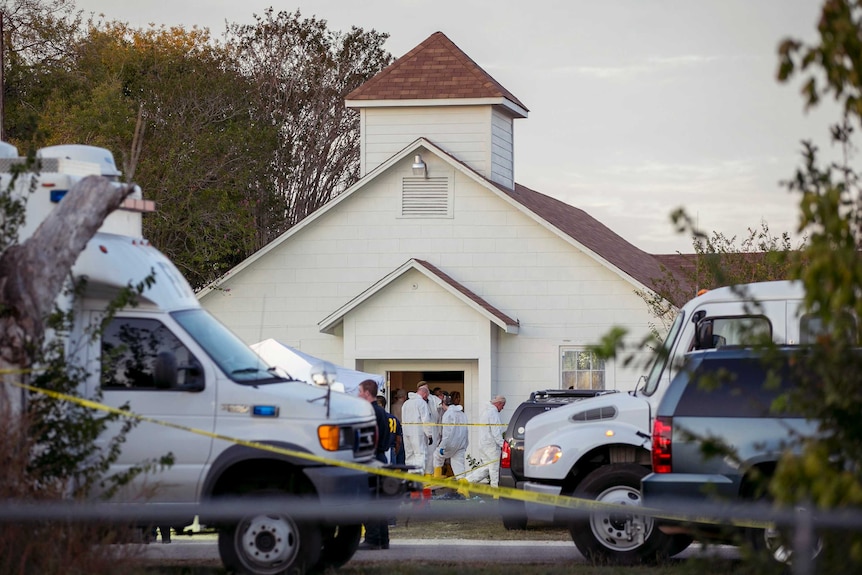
(32, 273)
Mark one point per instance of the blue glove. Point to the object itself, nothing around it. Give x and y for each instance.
(441, 451)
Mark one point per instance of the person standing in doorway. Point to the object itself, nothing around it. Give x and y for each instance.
(436, 411)
(453, 444)
(400, 398)
(490, 443)
(416, 420)
(376, 531)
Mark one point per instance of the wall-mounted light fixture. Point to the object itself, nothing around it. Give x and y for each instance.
(419, 167)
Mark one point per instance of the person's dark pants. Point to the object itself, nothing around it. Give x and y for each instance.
(377, 532)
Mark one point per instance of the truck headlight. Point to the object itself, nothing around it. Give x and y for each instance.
(333, 437)
(547, 455)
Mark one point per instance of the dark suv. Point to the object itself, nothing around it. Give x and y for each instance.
(515, 513)
(725, 398)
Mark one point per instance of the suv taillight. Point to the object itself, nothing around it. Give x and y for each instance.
(662, 439)
(506, 456)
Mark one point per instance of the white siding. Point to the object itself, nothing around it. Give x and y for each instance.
(502, 149)
(460, 130)
(561, 297)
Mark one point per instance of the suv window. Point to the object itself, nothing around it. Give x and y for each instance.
(735, 387)
(527, 413)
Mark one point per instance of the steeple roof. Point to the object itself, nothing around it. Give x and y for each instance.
(436, 69)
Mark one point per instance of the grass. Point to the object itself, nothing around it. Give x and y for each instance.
(484, 523)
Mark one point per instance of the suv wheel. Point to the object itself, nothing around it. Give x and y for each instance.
(617, 537)
(514, 514)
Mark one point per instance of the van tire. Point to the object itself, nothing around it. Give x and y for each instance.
(606, 538)
(269, 543)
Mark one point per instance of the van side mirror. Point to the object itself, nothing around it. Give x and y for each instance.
(703, 338)
(194, 376)
(165, 370)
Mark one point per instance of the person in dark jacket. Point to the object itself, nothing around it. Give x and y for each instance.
(377, 531)
(396, 444)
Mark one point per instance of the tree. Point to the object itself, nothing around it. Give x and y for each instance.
(718, 261)
(35, 36)
(240, 140)
(32, 273)
(48, 448)
(202, 148)
(828, 473)
(302, 72)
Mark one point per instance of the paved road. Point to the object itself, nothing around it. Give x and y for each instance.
(197, 551)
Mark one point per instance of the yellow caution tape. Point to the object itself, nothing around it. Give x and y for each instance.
(458, 424)
(563, 501)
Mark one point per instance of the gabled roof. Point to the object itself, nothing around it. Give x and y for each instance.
(598, 238)
(436, 69)
(575, 225)
(430, 271)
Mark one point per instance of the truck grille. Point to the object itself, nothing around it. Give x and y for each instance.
(363, 445)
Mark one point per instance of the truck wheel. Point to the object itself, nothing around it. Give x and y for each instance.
(339, 544)
(269, 544)
(514, 514)
(614, 537)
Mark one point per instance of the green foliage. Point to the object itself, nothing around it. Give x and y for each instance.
(13, 204)
(828, 473)
(718, 261)
(204, 148)
(235, 141)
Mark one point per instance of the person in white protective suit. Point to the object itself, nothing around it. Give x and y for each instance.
(490, 443)
(453, 443)
(436, 410)
(415, 422)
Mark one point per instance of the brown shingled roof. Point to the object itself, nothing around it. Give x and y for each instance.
(436, 69)
(481, 302)
(597, 237)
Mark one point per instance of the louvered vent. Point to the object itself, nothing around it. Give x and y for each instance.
(426, 198)
(595, 414)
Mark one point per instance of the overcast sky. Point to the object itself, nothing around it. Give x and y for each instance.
(637, 107)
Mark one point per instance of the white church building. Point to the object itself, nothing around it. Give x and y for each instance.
(436, 265)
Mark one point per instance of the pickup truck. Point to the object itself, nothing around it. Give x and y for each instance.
(599, 448)
(515, 514)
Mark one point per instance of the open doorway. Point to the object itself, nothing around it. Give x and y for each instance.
(451, 382)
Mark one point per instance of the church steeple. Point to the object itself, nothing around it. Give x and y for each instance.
(438, 92)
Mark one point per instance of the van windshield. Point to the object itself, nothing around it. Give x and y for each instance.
(663, 356)
(237, 360)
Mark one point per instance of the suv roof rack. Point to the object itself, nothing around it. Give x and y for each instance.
(549, 393)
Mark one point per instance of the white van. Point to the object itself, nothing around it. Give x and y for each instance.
(170, 360)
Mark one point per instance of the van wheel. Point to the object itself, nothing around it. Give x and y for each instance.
(514, 514)
(624, 538)
(340, 542)
(269, 543)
